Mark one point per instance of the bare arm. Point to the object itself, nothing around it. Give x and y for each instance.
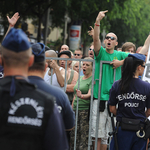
(144, 49)
(12, 21)
(117, 63)
(73, 83)
(113, 109)
(73, 101)
(60, 78)
(96, 39)
(147, 112)
(84, 96)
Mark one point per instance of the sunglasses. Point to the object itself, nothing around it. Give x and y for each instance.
(143, 66)
(90, 49)
(77, 54)
(111, 37)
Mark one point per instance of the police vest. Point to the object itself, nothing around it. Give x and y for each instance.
(24, 116)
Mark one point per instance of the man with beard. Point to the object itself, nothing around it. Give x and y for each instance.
(117, 59)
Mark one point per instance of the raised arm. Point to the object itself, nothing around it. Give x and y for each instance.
(96, 39)
(144, 49)
(59, 76)
(12, 21)
(91, 31)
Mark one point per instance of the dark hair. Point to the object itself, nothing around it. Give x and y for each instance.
(68, 53)
(128, 70)
(128, 45)
(38, 66)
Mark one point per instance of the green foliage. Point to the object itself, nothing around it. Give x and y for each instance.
(129, 19)
(27, 9)
(133, 25)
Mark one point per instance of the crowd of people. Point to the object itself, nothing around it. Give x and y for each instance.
(40, 94)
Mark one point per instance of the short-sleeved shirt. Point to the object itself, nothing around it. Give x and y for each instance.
(133, 103)
(62, 100)
(84, 87)
(107, 71)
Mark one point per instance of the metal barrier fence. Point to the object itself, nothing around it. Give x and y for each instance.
(90, 140)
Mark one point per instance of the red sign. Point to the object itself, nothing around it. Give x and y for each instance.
(74, 33)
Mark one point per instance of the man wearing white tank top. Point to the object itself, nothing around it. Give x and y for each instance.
(57, 79)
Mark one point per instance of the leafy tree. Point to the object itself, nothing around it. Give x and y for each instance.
(129, 19)
(26, 8)
(133, 24)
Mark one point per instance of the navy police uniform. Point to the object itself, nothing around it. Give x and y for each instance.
(131, 105)
(29, 120)
(62, 100)
(23, 116)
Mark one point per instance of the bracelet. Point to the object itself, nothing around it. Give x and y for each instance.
(82, 96)
(97, 24)
(11, 25)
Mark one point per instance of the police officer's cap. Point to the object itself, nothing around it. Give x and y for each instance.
(68, 53)
(138, 56)
(16, 40)
(38, 50)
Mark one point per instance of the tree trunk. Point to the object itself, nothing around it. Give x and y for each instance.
(84, 46)
(39, 30)
(39, 24)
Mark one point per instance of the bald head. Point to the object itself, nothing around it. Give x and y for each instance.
(64, 48)
(112, 34)
(50, 53)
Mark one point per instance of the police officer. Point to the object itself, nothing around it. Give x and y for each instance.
(36, 75)
(29, 118)
(133, 97)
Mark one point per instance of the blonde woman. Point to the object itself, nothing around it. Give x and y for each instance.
(83, 94)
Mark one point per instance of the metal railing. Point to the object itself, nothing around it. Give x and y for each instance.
(90, 140)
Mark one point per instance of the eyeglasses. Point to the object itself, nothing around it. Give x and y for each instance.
(143, 66)
(90, 49)
(77, 54)
(111, 37)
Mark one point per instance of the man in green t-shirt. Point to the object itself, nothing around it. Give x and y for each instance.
(116, 58)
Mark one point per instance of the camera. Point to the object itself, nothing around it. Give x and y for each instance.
(90, 28)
